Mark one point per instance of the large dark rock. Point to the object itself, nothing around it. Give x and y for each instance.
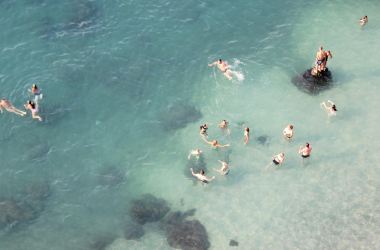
(148, 209)
(133, 231)
(313, 85)
(185, 234)
(178, 115)
(12, 213)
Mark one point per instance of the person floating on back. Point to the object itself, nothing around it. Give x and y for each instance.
(305, 151)
(8, 106)
(363, 21)
(33, 107)
(330, 107)
(36, 92)
(215, 144)
(201, 176)
(224, 170)
(224, 67)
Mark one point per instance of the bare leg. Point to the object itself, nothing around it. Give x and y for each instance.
(16, 111)
(228, 74)
(34, 116)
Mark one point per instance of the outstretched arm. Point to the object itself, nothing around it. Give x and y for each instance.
(330, 102)
(192, 172)
(212, 64)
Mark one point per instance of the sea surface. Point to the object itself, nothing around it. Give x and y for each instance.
(126, 86)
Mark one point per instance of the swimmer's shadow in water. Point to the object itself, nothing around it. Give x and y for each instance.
(177, 115)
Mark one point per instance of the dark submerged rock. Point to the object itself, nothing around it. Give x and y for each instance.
(133, 231)
(111, 176)
(36, 194)
(185, 234)
(178, 115)
(148, 209)
(101, 242)
(313, 85)
(234, 243)
(38, 151)
(12, 213)
(85, 15)
(263, 140)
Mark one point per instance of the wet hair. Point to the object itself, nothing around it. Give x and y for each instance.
(202, 172)
(334, 107)
(247, 129)
(32, 104)
(291, 126)
(220, 60)
(307, 144)
(321, 47)
(34, 86)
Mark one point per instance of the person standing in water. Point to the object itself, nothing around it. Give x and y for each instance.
(33, 107)
(7, 105)
(203, 130)
(330, 108)
(278, 159)
(363, 21)
(196, 153)
(305, 151)
(201, 176)
(224, 67)
(246, 135)
(288, 132)
(224, 126)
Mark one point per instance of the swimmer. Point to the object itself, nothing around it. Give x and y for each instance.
(201, 176)
(288, 132)
(215, 144)
(363, 21)
(36, 92)
(246, 135)
(224, 170)
(224, 67)
(305, 151)
(330, 107)
(278, 159)
(203, 130)
(224, 126)
(196, 153)
(7, 105)
(33, 107)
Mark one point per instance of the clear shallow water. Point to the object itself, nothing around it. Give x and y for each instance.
(110, 70)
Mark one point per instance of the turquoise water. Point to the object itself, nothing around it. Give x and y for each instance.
(111, 70)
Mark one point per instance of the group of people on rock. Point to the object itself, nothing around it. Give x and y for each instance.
(30, 105)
